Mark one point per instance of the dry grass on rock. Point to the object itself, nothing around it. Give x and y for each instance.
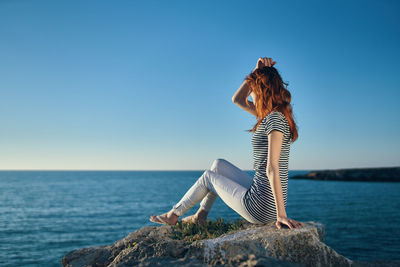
(194, 231)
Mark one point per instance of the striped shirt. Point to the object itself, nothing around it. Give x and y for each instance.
(259, 199)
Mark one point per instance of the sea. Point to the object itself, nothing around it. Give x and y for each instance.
(46, 214)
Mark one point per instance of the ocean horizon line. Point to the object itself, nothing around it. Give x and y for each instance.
(165, 170)
(99, 170)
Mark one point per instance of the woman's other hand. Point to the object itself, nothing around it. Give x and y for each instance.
(280, 221)
(265, 62)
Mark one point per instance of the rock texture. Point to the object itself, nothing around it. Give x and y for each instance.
(386, 174)
(255, 245)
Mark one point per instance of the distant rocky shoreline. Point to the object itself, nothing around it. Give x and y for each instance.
(384, 174)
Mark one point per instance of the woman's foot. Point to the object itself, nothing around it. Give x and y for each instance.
(166, 218)
(200, 217)
(194, 219)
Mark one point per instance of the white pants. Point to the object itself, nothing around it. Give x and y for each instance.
(224, 180)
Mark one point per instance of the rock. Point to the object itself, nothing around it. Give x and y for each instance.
(376, 263)
(255, 245)
(384, 174)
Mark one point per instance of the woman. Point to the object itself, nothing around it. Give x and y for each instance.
(261, 199)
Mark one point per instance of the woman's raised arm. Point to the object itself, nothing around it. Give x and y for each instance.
(239, 98)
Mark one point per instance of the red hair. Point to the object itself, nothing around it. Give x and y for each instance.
(271, 94)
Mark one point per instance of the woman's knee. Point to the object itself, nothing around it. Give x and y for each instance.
(218, 163)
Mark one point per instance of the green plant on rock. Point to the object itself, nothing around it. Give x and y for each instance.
(211, 229)
(131, 244)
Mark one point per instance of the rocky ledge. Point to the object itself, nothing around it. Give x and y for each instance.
(384, 174)
(253, 245)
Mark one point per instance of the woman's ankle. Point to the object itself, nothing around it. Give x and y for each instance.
(173, 214)
(201, 213)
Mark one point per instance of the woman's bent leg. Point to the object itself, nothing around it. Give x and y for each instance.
(227, 169)
(195, 193)
(231, 193)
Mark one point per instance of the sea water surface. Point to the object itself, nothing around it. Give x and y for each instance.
(46, 214)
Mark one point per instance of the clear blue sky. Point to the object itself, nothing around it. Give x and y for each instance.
(148, 84)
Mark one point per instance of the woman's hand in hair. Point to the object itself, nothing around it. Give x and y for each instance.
(265, 62)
